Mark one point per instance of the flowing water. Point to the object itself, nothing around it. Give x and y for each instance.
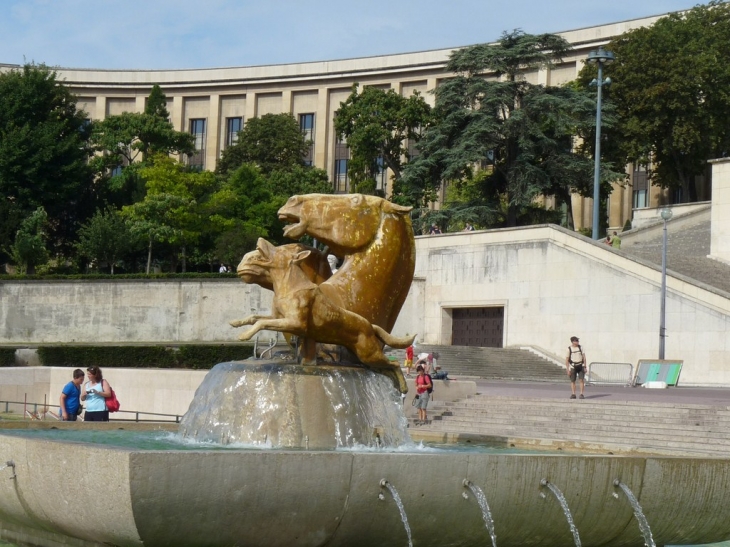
(564, 504)
(486, 513)
(638, 513)
(384, 483)
(257, 403)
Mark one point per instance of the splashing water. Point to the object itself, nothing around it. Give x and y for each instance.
(486, 513)
(564, 504)
(384, 483)
(263, 404)
(638, 513)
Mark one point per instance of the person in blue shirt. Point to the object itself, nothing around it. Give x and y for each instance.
(70, 397)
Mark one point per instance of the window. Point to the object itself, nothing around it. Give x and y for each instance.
(342, 157)
(233, 126)
(380, 176)
(306, 124)
(640, 180)
(197, 129)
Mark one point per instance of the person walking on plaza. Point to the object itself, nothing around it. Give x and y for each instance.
(423, 395)
(575, 364)
(71, 397)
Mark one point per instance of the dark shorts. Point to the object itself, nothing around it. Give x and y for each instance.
(71, 418)
(98, 416)
(574, 374)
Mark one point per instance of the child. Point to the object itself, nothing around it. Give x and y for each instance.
(409, 360)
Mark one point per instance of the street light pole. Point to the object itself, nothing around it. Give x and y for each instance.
(666, 217)
(600, 58)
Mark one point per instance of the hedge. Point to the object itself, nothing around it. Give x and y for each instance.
(190, 357)
(117, 277)
(7, 357)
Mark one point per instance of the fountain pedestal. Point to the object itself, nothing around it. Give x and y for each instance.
(285, 405)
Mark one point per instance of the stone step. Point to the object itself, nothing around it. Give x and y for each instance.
(493, 363)
(719, 430)
(629, 413)
(575, 433)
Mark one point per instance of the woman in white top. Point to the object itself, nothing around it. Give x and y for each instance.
(96, 391)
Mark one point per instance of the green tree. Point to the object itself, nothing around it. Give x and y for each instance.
(126, 143)
(489, 118)
(185, 192)
(242, 210)
(670, 87)
(272, 142)
(106, 237)
(379, 126)
(43, 155)
(29, 249)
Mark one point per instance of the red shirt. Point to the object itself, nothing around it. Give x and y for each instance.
(422, 383)
(409, 353)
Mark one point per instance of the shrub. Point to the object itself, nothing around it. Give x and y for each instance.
(189, 357)
(7, 357)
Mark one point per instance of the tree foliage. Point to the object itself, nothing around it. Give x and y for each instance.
(125, 143)
(43, 154)
(29, 249)
(271, 142)
(378, 126)
(670, 86)
(105, 238)
(517, 135)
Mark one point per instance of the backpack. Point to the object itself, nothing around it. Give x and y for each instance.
(430, 389)
(582, 358)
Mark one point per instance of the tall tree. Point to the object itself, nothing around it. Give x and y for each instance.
(106, 237)
(43, 154)
(490, 117)
(380, 126)
(126, 142)
(185, 192)
(670, 86)
(29, 249)
(271, 142)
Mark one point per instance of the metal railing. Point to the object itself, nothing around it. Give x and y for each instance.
(610, 373)
(45, 411)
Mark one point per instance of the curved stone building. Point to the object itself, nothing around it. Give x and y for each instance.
(214, 103)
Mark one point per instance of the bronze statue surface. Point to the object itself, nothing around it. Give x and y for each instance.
(357, 306)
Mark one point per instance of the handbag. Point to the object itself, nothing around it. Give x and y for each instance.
(112, 403)
(79, 410)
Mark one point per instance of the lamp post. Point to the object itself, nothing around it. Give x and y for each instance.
(666, 215)
(599, 57)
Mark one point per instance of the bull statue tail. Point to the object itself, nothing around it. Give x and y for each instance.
(393, 341)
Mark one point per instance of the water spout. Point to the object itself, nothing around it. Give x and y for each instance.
(385, 484)
(484, 506)
(564, 504)
(638, 513)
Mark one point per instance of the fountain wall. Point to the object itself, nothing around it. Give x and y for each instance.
(285, 498)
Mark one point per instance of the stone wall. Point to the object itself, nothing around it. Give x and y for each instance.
(125, 311)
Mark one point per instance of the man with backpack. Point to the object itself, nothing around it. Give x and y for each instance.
(575, 364)
(424, 387)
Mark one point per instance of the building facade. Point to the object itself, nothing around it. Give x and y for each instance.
(214, 104)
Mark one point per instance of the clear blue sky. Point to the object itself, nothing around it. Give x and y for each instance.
(168, 34)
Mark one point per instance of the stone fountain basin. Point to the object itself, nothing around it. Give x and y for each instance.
(310, 498)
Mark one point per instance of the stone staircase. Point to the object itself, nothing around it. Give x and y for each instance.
(491, 363)
(627, 425)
